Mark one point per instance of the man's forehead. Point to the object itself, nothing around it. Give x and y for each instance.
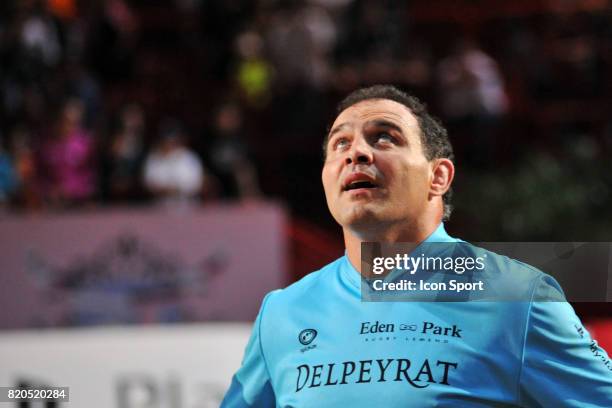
(371, 109)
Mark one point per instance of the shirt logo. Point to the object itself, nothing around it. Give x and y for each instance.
(307, 336)
(417, 373)
(425, 331)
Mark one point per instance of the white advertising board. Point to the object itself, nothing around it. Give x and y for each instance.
(170, 366)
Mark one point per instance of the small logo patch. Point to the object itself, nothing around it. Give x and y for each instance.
(307, 336)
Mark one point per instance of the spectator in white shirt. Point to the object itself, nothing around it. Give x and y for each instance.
(172, 171)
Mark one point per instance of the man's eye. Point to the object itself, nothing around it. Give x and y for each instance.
(341, 144)
(385, 137)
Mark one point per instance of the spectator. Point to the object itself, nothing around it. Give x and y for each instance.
(473, 99)
(471, 84)
(68, 159)
(40, 37)
(26, 169)
(81, 83)
(172, 172)
(8, 179)
(125, 155)
(299, 39)
(254, 73)
(230, 157)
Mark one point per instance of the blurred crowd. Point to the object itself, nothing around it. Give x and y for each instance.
(65, 144)
(114, 101)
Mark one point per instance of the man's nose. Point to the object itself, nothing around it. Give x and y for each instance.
(359, 153)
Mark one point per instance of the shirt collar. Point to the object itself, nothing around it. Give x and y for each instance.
(440, 235)
(354, 277)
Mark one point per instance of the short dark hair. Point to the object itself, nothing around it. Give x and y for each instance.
(434, 136)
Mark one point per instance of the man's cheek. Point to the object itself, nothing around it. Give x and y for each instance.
(325, 178)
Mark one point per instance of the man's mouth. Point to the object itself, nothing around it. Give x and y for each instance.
(359, 184)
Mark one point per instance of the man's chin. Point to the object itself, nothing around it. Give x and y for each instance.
(361, 216)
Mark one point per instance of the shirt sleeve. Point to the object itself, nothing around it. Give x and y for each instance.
(251, 385)
(562, 365)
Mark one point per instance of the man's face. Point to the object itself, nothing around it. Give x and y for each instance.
(375, 172)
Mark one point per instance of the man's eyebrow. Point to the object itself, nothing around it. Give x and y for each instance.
(337, 129)
(385, 123)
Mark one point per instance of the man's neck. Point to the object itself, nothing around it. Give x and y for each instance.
(413, 232)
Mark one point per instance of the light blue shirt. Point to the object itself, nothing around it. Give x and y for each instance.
(316, 344)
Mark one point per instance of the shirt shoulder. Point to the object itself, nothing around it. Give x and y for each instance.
(314, 285)
(505, 278)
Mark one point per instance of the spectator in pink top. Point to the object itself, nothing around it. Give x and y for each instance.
(68, 159)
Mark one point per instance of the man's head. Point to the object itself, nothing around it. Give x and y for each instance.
(386, 160)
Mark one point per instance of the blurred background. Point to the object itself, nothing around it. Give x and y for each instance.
(160, 160)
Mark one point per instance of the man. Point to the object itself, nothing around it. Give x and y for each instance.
(387, 176)
(173, 173)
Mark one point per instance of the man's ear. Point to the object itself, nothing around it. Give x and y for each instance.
(443, 171)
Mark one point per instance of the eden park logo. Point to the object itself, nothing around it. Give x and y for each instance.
(427, 328)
